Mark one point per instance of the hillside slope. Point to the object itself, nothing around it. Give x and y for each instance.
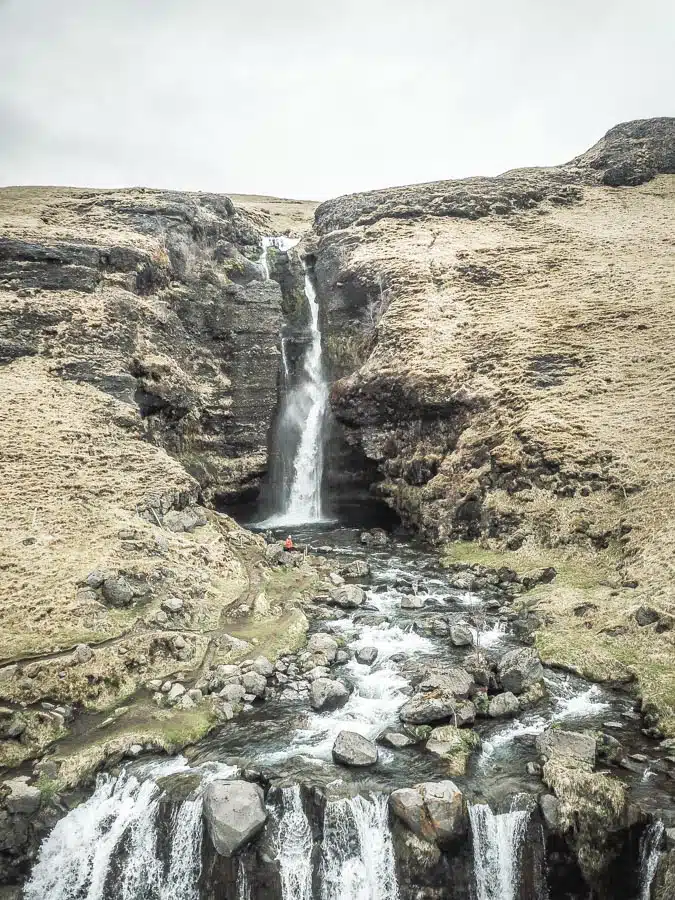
(503, 350)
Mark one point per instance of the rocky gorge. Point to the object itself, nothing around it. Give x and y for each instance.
(487, 713)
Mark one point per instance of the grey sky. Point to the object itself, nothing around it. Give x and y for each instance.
(313, 98)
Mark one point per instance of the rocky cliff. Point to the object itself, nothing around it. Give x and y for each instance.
(502, 352)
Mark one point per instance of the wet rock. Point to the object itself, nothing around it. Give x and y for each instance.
(353, 749)
(646, 615)
(341, 657)
(324, 644)
(376, 537)
(608, 748)
(434, 811)
(533, 768)
(317, 672)
(505, 704)
(465, 714)
(397, 740)
(117, 591)
(520, 669)
(367, 655)
(575, 746)
(412, 601)
(235, 813)
(254, 684)
(454, 746)
(425, 708)
(454, 681)
(479, 667)
(348, 596)
(326, 694)
(461, 636)
(549, 806)
(462, 581)
(359, 568)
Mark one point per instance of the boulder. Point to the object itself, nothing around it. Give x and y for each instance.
(397, 739)
(646, 615)
(324, 644)
(432, 707)
(327, 694)
(233, 693)
(376, 537)
(263, 666)
(352, 749)
(548, 804)
(465, 714)
(176, 691)
(254, 684)
(505, 704)
(82, 653)
(434, 811)
(173, 605)
(412, 601)
(348, 596)
(574, 747)
(359, 568)
(455, 681)
(367, 655)
(519, 670)
(23, 798)
(117, 591)
(461, 636)
(454, 746)
(235, 813)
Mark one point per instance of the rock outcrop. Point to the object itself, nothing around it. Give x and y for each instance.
(500, 350)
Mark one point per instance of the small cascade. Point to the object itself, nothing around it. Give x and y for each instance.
(497, 845)
(650, 852)
(279, 242)
(358, 853)
(295, 848)
(81, 856)
(243, 883)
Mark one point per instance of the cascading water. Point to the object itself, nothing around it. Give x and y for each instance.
(358, 853)
(295, 848)
(650, 852)
(77, 860)
(497, 844)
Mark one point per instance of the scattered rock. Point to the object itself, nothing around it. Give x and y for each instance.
(173, 605)
(348, 596)
(412, 601)
(520, 669)
(233, 693)
(505, 704)
(376, 537)
(454, 746)
(326, 694)
(461, 636)
(367, 655)
(359, 568)
(324, 644)
(254, 684)
(184, 519)
(646, 615)
(425, 708)
(82, 653)
(234, 812)
(353, 749)
(336, 579)
(263, 666)
(23, 798)
(117, 591)
(175, 692)
(397, 739)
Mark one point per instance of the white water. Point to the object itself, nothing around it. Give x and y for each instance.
(497, 842)
(358, 854)
(305, 408)
(75, 860)
(280, 242)
(295, 848)
(243, 884)
(650, 852)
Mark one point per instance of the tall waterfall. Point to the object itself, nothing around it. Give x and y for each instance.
(497, 844)
(650, 852)
(295, 848)
(358, 853)
(77, 859)
(303, 411)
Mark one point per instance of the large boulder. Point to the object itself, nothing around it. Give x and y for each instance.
(454, 746)
(425, 708)
(455, 681)
(235, 813)
(352, 749)
(576, 747)
(348, 596)
(461, 636)
(324, 644)
(520, 669)
(327, 694)
(367, 655)
(434, 811)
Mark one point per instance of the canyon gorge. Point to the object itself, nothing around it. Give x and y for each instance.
(458, 401)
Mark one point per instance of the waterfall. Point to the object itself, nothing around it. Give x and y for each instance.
(650, 852)
(243, 884)
(358, 853)
(307, 404)
(497, 842)
(295, 848)
(78, 858)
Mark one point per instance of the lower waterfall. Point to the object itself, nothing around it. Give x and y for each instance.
(497, 844)
(295, 848)
(358, 853)
(79, 859)
(650, 852)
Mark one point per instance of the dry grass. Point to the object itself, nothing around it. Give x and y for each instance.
(585, 292)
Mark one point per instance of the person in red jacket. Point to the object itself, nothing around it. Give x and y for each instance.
(288, 543)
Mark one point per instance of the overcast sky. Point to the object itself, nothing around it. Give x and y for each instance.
(314, 98)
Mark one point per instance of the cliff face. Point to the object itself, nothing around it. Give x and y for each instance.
(502, 349)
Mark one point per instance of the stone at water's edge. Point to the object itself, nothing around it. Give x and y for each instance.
(454, 746)
(327, 694)
(348, 596)
(434, 811)
(505, 704)
(353, 749)
(520, 669)
(234, 812)
(573, 746)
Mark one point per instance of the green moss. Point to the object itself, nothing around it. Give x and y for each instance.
(48, 787)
